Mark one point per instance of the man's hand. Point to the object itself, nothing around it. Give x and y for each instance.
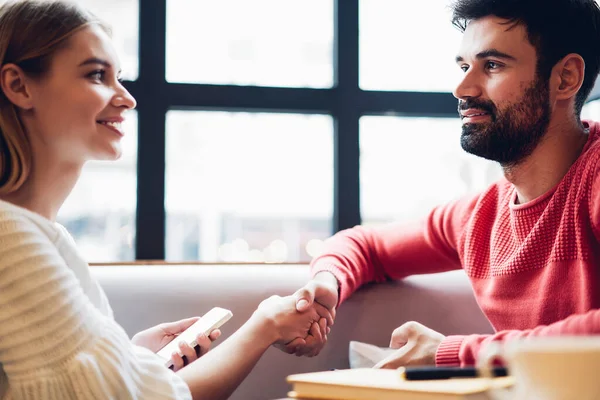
(322, 289)
(416, 344)
(159, 336)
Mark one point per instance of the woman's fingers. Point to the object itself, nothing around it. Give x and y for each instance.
(177, 361)
(203, 346)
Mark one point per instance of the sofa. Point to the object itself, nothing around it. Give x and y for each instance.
(145, 294)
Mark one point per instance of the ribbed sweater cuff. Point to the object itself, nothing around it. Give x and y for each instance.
(447, 352)
(339, 275)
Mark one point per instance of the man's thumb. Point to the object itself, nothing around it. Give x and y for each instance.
(385, 363)
(393, 361)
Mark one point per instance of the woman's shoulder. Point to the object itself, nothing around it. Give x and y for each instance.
(26, 237)
(15, 220)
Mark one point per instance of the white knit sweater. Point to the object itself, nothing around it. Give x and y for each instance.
(58, 338)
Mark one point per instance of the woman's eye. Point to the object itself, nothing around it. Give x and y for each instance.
(97, 75)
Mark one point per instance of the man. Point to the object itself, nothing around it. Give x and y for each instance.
(530, 244)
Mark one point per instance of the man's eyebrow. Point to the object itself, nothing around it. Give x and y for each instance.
(96, 60)
(490, 53)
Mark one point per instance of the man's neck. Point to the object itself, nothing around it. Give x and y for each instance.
(549, 162)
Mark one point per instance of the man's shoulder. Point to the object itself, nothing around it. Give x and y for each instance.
(485, 204)
(496, 192)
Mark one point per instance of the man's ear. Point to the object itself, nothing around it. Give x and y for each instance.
(14, 85)
(568, 74)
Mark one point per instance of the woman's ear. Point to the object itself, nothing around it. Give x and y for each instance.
(14, 85)
(570, 72)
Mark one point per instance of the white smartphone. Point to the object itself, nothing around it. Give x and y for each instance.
(210, 321)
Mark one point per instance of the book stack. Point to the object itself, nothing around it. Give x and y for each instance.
(386, 384)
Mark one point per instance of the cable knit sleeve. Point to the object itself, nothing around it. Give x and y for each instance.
(54, 344)
(394, 251)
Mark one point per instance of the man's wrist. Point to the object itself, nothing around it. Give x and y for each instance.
(327, 277)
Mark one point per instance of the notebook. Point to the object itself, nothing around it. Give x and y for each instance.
(386, 384)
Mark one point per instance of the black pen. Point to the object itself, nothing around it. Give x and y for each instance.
(426, 373)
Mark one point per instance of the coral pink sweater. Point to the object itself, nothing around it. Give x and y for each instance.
(534, 267)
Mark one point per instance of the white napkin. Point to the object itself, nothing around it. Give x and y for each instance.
(365, 355)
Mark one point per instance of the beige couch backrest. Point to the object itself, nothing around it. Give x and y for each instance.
(144, 295)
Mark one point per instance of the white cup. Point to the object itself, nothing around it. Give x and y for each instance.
(547, 368)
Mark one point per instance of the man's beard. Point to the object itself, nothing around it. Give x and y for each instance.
(514, 131)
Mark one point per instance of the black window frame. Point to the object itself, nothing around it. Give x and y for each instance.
(345, 102)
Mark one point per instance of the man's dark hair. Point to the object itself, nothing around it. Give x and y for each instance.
(554, 27)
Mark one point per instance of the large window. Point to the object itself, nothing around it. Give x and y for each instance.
(265, 126)
(247, 186)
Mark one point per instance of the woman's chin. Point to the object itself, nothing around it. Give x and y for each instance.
(112, 154)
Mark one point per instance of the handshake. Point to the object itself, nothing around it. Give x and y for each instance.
(301, 322)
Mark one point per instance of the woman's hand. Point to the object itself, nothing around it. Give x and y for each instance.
(285, 323)
(159, 336)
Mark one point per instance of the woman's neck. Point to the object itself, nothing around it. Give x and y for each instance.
(46, 188)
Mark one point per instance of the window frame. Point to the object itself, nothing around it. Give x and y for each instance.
(346, 102)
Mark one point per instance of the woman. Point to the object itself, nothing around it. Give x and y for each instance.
(61, 104)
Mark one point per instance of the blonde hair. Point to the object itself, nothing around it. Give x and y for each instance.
(31, 31)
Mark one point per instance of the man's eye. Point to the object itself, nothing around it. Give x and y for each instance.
(491, 65)
(464, 68)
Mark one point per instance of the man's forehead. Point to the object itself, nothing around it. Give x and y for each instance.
(495, 33)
